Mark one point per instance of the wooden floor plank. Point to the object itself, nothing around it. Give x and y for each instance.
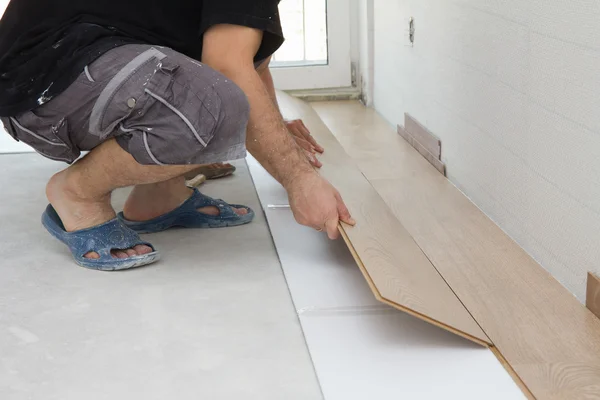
(396, 268)
(548, 338)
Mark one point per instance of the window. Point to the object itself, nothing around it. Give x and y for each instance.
(316, 53)
(305, 26)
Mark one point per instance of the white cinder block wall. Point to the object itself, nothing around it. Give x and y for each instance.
(513, 90)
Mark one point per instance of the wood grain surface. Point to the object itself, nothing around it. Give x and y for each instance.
(397, 270)
(548, 338)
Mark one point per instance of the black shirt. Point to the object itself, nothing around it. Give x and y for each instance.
(45, 44)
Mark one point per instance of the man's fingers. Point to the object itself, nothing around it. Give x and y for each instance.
(302, 122)
(299, 124)
(298, 129)
(309, 151)
(312, 141)
(331, 225)
(304, 144)
(344, 212)
(317, 146)
(314, 161)
(305, 133)
(297, 132)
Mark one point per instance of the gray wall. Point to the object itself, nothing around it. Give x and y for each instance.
(513, 90)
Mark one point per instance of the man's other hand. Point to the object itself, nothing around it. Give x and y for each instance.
(302, 136)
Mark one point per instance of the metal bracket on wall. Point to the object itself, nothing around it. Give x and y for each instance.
(425, 142)
(593, 294)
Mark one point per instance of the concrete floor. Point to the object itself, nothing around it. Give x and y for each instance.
(213, 320)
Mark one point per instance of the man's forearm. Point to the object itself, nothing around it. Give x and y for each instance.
(230, 49)
(267, 136)
(296, 128)
(267, 78)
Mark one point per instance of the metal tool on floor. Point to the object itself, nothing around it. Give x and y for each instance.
(196, 181)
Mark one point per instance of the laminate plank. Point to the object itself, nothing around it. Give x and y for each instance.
(516, 378)
(548, 338)
(397, 270)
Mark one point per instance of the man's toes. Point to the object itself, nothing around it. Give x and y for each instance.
(137, 250)
(142, 249)
(119, 254)
(240, 211)
(92, 255)
(131, 253)
(215, 211)
(211, 210)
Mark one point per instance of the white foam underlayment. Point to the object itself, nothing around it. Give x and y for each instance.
(361, 348)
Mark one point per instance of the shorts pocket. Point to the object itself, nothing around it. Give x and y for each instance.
(173, 124)
(50, 140)
(125, 93)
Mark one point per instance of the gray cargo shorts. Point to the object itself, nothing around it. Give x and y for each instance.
(162, 107)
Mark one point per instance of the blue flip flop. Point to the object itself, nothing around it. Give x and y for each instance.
(188, 216)
(102, 239)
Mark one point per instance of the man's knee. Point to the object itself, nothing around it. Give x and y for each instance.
(234, 110)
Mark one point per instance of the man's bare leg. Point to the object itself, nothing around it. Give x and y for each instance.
(81, 193)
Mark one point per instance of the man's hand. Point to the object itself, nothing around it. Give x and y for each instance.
(296, 127)
(317, 204)
(305, 140)
(302, 135)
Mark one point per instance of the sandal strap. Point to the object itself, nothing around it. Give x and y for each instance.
(104, 238)
(199, 200)
(188, 216)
